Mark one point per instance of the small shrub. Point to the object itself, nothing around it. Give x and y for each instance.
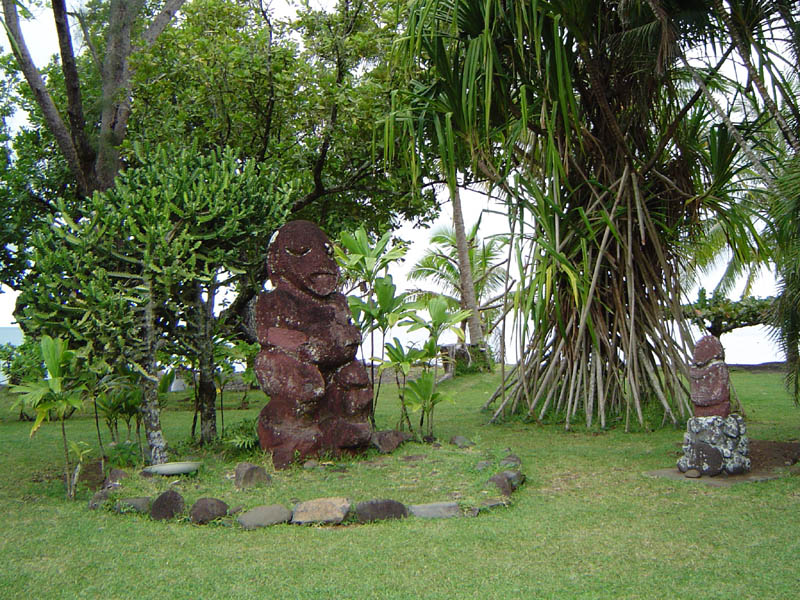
(479, 360)
(123, 454)
(242, 437)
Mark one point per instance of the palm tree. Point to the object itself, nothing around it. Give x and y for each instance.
(786, 309)
(441, 265)
(583, 115)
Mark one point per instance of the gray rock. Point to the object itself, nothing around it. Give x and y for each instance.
(248, 475)
(206, 510)
(264, 516)
(483, 465)
(323, 511)
(100, 497)
(461, 441)
(491, 503)
(512, 460)
(138, 504)
(737, 464)
(413, 457)
(507, 481)
(114, 477)
(310, 464)
(500, 481)
(731, 428)
(379, 510)
(91, 474)
(712, 441)
(706, 458)
(515, 478)
(388, 441)
(167, 506)
(692, 474)
(436, 510)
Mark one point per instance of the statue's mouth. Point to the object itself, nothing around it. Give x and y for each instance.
(324, 282)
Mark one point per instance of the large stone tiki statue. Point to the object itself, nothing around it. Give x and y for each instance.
(320, 395)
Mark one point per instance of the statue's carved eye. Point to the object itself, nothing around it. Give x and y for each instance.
(328, 249)
(302, 251)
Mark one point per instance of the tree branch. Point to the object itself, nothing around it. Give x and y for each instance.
(161, 21)
(45, 102)
(72, 84)
(81, 18)
(117, 80)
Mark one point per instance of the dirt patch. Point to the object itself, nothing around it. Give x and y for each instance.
(767, 455)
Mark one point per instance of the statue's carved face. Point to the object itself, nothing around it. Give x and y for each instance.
(302, 255)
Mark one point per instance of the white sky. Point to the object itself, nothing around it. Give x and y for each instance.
(748, 345)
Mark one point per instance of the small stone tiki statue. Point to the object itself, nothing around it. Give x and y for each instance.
(715, 440)
(320, 396)
(710, 382)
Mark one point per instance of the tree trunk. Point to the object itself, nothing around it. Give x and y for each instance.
(151, 417)
(207, 391)
(151, 411)
(67, 474)
(465, 271)
(207, 394)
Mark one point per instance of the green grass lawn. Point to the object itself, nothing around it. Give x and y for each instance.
(587, 524)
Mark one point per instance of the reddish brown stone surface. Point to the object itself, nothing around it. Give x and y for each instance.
(708, 348)
(320, 395)
(710, 380)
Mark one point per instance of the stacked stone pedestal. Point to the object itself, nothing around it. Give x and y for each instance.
(713, 445)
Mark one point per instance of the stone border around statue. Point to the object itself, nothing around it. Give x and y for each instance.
(317, 511)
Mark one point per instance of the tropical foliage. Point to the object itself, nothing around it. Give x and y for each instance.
(57, 396)
(377, 307)
(585, 116)
(785, 316)
(143, 265)
(439, 265)
(419, 393)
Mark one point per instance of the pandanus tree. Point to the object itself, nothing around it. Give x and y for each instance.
(583, 116)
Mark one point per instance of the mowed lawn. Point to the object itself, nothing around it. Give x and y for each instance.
(587, 524)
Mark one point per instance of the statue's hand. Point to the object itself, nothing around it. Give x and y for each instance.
(286, 339)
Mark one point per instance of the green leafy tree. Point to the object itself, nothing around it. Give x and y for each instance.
(718, 314)
(301, 95)
(22, 363)
(785, 315)
(400, 359)
(147, 261)
(89, 143)
(78, 107)
(420, 394)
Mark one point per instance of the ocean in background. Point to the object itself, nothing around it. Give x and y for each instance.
(745, 346)
(9, 335)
